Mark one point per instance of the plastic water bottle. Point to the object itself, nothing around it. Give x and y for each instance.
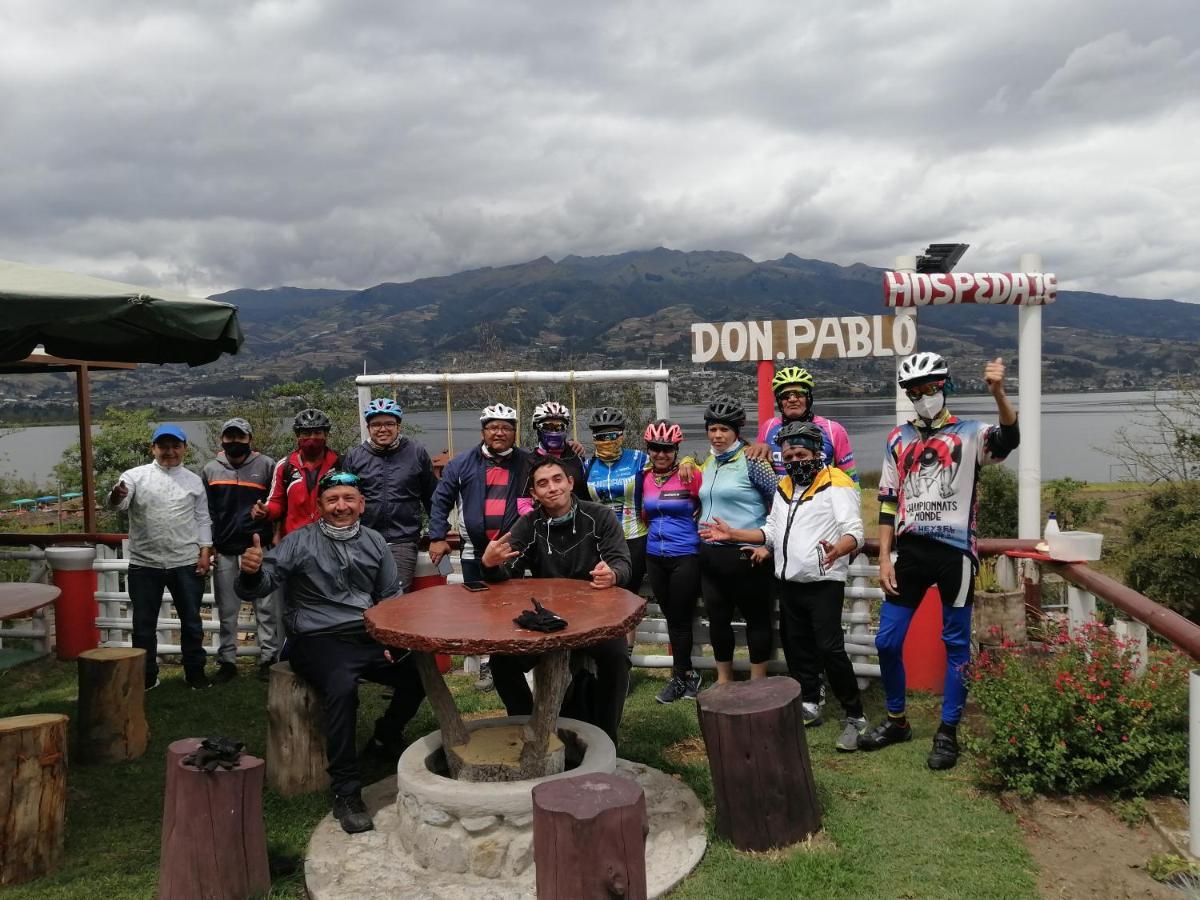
(1051, 528)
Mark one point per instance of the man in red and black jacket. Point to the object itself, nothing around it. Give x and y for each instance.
(292, 503)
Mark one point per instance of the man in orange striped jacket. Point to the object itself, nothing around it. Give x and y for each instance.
(235, 480)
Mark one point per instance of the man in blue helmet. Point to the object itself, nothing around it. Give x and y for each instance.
(397, 481)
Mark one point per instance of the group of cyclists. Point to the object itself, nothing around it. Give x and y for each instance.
(754, 522)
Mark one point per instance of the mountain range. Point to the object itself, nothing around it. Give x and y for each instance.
(633, 309)
(630, 310)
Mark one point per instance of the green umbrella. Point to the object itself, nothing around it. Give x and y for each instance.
(78, 317)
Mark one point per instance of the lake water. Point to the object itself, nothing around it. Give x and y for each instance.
(1074, 427)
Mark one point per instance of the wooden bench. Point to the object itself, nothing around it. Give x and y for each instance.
(296, 761)
(33, 805)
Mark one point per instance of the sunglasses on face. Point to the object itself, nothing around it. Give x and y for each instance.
(607, 436)
(661, 448)
(924, 390)
(552, 427)
(792, 395)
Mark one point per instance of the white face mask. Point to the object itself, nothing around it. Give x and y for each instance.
(929, 407)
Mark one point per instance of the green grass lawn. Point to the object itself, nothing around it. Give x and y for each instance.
(891, 827)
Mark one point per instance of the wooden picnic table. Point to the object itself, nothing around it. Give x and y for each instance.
(450, 619)
(19, 599)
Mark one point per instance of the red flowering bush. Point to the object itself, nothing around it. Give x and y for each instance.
(1074, 716)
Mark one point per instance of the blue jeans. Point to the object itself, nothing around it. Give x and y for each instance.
(146, 591)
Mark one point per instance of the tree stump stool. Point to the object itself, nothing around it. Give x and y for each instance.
(111, 724)
(761, 771)
(589, 838)
(214, 842)
(33, 801)
(296, 762)
(176, 752)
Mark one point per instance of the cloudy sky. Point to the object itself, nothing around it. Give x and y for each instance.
(252, 144)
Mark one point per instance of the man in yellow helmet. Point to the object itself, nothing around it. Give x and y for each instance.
(793, 389)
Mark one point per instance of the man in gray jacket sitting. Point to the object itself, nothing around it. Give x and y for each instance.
(331, 572)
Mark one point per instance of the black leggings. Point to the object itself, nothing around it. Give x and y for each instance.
(727, 579)
(676, 582)
(637, 563)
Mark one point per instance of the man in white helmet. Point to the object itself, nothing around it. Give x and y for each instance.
(927, 494)
(486, 482)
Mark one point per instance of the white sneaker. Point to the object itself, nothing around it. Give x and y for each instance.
(811, 713)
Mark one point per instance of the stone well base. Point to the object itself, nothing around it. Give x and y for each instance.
(376, 865)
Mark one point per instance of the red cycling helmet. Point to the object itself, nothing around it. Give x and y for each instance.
(663, 432)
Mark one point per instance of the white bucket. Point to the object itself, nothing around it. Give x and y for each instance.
(1074, 546)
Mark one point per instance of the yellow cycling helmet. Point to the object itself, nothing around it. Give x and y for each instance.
(789, 377)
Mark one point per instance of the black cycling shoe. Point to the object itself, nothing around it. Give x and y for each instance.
(945, 752)
(351, 813)
(885, 734)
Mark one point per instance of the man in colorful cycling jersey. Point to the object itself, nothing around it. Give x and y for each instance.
(793, 389)
(927, 502)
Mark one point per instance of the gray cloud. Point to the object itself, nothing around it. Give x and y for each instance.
(322, 144)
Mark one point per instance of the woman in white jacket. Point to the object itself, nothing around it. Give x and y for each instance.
(814, 527)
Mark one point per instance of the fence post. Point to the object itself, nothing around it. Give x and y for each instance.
(1081, 608)
(860, 605)
(1135, 636)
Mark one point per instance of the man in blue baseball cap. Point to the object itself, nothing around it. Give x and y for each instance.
(170, 546)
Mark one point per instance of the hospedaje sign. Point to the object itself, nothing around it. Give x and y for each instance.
(843, 337)
(906, 289)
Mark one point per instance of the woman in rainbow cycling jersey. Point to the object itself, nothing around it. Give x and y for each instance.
(736, 489)
(669, 508)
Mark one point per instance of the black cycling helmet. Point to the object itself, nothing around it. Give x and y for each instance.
(807, 434)
(311, 420)
(607, 418)
(725, 411)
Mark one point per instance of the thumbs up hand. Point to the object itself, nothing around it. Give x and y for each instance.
(993, 376)
(252, 556)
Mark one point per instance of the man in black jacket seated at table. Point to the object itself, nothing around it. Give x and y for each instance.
(564, 537)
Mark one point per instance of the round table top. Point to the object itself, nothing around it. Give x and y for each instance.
(450, 619)
(18, 598)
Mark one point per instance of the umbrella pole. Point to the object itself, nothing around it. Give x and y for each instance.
(83, 392)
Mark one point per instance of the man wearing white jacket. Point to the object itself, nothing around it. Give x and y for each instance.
(814, 527)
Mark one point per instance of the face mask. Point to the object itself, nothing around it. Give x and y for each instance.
(929, 407)
(609, 451)
(236, 449)
(310, 446)
(553, 441)
(342, 533)
(803, 471)
(495, 454)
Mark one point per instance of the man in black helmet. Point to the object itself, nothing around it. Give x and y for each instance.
(293, 500)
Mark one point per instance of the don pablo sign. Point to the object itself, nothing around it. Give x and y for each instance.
(844, 337)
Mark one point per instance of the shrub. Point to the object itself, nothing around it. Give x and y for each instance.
(997, 513)
(1073, 716)
(1162, 534)
(1073, 510)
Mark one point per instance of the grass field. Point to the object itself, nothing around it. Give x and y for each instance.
(892, 828)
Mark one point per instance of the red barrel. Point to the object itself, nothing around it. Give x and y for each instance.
(76, 609)
(428, 575)
(924, 652)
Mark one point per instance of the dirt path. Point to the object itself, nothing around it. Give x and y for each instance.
(1083, 850)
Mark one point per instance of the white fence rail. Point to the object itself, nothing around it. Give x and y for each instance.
(116, 623)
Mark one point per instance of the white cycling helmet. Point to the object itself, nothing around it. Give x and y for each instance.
(498, 412)
(551, 409)
(922, 367)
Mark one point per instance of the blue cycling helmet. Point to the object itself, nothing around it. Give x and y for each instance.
(383, 406)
